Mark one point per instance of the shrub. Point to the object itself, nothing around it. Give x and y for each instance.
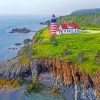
(54, 41)
(67, 52)
(81, 57)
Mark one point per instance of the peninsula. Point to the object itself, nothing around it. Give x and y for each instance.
(68, 63)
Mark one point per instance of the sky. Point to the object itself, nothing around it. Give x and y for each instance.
(44, 7)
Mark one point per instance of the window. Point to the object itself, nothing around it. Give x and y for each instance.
(67, 31)
(75, 30)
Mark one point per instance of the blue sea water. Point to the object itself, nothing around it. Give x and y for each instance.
(19, 94)
(8, 40)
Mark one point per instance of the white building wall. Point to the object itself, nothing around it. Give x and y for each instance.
(75, 30)
(68, 31)
(64, 31)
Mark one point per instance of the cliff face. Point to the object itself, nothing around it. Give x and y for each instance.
(64, 75)
(66, 72)
(96, 81)
(71, 82)
(13, 69)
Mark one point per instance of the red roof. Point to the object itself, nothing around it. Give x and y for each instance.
(65, 25)
(73, 25)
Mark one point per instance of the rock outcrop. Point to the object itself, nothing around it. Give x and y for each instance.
(66, 72)
(96, 81)
(13, 69)
(52, 72)
(65, 75)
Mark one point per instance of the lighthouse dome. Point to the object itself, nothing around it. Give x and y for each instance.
(53, 19)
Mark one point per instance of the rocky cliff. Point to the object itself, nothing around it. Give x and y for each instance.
(63, 71)
(13, 69)
(53, 72)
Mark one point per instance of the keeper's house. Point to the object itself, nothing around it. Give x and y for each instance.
(66, 28)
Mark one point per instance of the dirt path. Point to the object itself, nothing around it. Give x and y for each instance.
(92, 31)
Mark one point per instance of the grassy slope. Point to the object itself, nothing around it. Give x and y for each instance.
(75, 43)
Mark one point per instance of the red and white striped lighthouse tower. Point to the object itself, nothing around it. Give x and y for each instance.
(53, 25)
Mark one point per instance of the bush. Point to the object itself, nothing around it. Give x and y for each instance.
(81, 57)
(66, 52)
(54, 41)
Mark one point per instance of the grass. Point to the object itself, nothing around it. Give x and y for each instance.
(89, 44)
(24, 59)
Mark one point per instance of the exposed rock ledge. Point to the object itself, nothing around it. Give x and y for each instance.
(54, 73)
(20, 30)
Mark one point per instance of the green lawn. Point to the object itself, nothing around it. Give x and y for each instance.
(70, 47)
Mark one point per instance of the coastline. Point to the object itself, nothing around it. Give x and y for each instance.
(8, 40)
(25, 69)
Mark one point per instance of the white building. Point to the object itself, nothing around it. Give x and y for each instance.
(67, 28)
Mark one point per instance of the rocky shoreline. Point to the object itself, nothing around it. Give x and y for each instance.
(62, 77)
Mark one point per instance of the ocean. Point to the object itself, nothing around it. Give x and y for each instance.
(8, 40)
(19, 94)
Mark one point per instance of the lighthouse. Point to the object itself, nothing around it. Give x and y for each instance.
(53, 25)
